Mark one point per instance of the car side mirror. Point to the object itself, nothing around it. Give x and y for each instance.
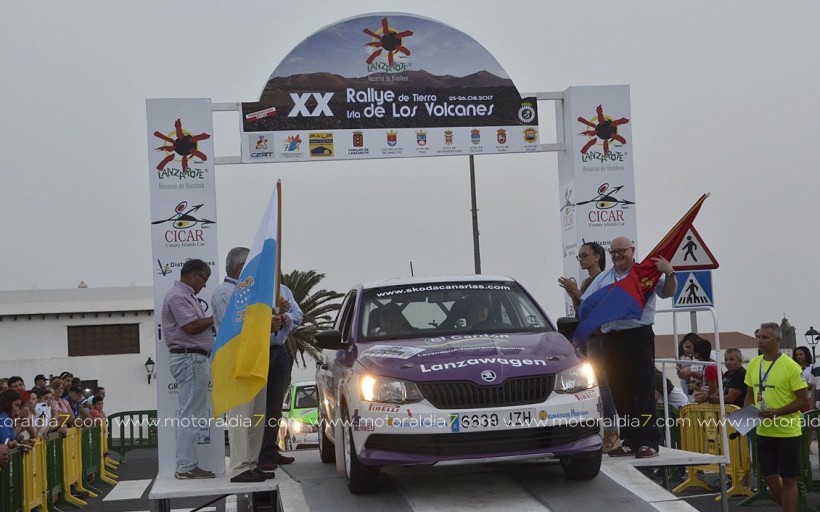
(330, 340)
(567, 326)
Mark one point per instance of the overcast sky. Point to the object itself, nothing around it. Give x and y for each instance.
(725, 99)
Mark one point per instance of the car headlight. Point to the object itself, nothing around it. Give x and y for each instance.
(575, 379)
(296, 426)
(388, 390)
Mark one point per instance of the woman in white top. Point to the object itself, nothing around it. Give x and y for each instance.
(802, 356)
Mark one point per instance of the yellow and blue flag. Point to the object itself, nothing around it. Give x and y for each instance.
(242, 348)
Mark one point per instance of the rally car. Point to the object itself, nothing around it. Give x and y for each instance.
(451, 370)
(299, 428)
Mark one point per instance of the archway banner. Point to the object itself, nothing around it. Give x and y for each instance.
(386, 86)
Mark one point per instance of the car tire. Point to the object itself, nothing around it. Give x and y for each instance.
(361, 479)
(327, 452)
(583, 466)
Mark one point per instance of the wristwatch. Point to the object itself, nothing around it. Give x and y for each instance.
(670, 274)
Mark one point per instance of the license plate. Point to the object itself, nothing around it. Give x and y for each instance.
(474, 422)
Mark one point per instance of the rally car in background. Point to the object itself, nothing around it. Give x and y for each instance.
(299, 428)
(451, 370)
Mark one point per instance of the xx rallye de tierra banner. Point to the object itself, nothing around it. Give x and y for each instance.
(387, 85)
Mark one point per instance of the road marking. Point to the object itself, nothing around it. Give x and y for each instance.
(630, 478)
(230, 503)
(127, 490)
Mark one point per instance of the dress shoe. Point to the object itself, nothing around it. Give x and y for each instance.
(266, 476)
(194, 474)
(247, 477)
(282, 459)
(267, 466)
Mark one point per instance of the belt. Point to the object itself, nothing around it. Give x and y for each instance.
(190, 351)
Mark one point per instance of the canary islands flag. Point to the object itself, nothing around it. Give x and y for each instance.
(242, 348)
(625, 299)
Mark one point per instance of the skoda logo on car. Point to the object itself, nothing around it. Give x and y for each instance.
(488, 375)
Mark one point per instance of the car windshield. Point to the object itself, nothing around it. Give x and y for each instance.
(306, 397)
(439, 309)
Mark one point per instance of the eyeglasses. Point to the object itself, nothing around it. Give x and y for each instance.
(583, 255)
(204, 279)
(619, 251)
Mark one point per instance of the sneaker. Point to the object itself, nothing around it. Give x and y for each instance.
(194, 474)
(265, 475)
(622, 451)
(247, 477)
(645, 452)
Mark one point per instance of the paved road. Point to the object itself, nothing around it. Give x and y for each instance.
(503, 486)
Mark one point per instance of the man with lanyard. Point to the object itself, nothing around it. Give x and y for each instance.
(777, 388)
(629, 358)
(188, 333)
(287, 317)
(244, 431)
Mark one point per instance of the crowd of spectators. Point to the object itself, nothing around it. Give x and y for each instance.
(50, 406)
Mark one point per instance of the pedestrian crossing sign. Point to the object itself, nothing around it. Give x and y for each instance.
(694, 289)
(692, 253)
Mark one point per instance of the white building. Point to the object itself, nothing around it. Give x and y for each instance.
(98, 334)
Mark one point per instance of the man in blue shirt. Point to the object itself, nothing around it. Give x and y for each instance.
(629, 358)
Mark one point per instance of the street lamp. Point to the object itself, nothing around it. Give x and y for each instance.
(149, 367)
(812, 337)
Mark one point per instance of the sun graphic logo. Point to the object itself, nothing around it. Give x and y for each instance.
(183, 146)
(602, 128)
(387, 42)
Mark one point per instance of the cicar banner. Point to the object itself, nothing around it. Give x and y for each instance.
(385, 86)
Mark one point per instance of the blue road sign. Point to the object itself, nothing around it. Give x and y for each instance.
(694, 289)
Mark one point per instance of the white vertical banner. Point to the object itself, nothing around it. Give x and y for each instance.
(183, 226)
(596, 175)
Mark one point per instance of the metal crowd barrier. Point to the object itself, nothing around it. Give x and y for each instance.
(45, 475)
(137, 429)
(34, 477)
(11, 483)
(701, 431)
(54, 467)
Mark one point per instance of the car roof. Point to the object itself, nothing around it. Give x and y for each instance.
(402, 281)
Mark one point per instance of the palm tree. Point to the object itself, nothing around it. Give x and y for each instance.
(317, 309)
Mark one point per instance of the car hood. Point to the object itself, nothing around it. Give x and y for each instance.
(467, 357)
(307, 415)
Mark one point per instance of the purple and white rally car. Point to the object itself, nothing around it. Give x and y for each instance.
(452, 370)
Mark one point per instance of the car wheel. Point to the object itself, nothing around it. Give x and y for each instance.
(361, 479)
(327, 452)
(583, 466)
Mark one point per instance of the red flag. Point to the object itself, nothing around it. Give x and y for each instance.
(625, 299)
